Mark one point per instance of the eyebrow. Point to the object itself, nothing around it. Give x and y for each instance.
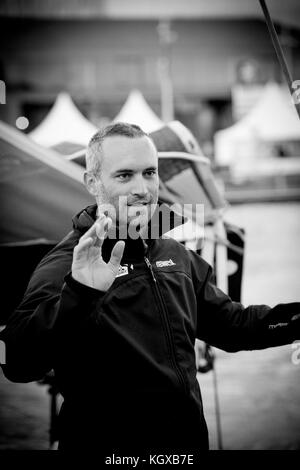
(125, 170)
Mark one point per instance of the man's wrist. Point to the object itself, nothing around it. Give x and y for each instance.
(80, 280)
(80, 287)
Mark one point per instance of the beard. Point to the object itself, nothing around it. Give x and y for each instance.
(130, 214)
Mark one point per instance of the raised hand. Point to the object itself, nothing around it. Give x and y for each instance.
(88, 266)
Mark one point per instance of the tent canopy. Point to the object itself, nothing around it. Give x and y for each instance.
(64, 123)
(137, 111)
(185, 174)
(272, 119)
(40, 191)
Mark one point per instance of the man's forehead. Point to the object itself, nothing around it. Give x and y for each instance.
(118, 151)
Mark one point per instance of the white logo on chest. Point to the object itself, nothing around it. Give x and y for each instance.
(163, 264)
(123, 270)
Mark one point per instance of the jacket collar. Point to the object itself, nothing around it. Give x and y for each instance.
(84, 219)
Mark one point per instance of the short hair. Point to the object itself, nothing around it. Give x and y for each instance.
(93, 153)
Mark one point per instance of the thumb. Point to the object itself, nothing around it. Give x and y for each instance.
(116, 254)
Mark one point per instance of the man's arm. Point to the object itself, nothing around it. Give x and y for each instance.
(43, 327)
(56, 314)
(51, 307)
(230, 326)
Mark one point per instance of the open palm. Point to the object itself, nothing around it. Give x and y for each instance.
(88, 266)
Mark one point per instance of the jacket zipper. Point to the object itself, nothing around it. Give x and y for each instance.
(166, 321)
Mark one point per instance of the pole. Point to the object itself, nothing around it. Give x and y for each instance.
(217, 407)
(166, 39)
(279, 52)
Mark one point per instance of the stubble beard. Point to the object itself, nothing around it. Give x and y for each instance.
(125, 225)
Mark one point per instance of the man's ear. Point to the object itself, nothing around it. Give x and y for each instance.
(91, 183)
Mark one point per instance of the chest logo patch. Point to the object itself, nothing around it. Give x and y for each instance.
(163, 264)
(123, 270)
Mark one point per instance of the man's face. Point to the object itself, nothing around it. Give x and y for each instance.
(129, 179)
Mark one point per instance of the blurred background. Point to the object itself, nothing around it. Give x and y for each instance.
(69, 67)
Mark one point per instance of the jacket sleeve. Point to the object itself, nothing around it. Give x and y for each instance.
(230, 326)
(55, 308)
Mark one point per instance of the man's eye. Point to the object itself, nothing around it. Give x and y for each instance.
(150, 173)
(123, 176)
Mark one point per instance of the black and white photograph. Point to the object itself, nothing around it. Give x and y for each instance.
(149, 228)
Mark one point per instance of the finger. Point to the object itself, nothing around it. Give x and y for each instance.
(103, 226)
(82, 248)
(102, 230)
(116, 255)
(92, 231)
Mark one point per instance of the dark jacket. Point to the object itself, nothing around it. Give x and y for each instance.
(124, 360)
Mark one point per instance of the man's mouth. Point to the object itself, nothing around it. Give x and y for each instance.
(138, 204)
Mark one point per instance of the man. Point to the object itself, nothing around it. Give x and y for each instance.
(115, 312)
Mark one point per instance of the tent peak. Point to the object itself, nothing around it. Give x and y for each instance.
(64, 122)
(137, 111)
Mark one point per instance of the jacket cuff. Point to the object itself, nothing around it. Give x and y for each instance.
(83, 290)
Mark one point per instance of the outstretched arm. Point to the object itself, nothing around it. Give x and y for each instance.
(230, 326)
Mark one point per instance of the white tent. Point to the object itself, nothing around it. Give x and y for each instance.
(63, 123)
(137, 111)
(272, 119)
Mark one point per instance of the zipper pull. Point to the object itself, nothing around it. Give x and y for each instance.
(149, 265)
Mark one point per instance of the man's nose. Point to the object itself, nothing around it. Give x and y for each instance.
(139, 187)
